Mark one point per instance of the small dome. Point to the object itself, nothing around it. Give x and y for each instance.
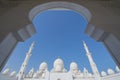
(117, 69)
(13, 74)
(32, 70)
(35, 75)
(110, 71)
(73, 65)
(43, 65)
(90, 75)
(103, 73)
(6, 71)
(85, 70)
(17, 75)
(58, 62)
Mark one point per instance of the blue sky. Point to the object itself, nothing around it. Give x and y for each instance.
(59, 35)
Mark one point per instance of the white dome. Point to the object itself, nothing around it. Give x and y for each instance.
(117, 69)
(85, 70)
(35, 75)
(13, 74)
(32, 70)
(103, 73)
(90, 75)
(43, 65)
(73, 65)
(17, 75)
(110, 71)
(6, 71)
(58, 68)
(58, 62)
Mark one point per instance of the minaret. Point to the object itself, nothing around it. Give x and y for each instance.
(24, 64)
(92, 63)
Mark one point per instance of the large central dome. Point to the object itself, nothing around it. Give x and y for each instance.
(58, 62)
(58, 65)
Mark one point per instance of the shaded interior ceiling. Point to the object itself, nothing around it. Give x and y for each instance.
(114, 5)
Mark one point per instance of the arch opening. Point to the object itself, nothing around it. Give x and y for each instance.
(60, 5)
(83, 10)
(55, 9)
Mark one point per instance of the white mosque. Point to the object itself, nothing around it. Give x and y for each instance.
(58, 71)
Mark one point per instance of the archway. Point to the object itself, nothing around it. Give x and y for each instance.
(99, 34)
(63, 5)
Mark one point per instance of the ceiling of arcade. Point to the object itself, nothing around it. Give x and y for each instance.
(111, 6)
(6, 5)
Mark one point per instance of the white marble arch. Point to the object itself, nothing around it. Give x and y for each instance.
(60, 5)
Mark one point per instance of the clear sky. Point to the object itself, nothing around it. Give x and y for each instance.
(59, 35)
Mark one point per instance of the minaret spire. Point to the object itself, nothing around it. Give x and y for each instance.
(24, 64)
(86, 48)
(92, 63)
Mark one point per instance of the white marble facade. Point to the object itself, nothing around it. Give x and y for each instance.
(58, 72)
